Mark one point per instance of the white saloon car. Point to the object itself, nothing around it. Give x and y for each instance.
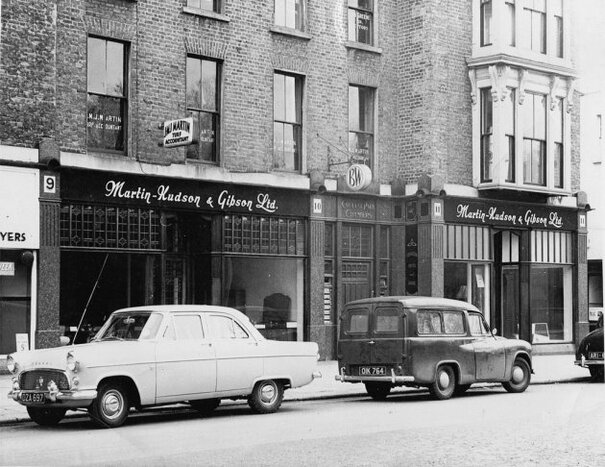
(155, 355)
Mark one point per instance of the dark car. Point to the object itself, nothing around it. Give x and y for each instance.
(590, 352)
(444, 345)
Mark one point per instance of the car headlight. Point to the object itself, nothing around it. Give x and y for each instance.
(71, 363)
(11, 364)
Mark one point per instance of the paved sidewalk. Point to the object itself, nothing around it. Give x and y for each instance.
(548, 369)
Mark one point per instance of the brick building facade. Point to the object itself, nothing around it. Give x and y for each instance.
(270, 211)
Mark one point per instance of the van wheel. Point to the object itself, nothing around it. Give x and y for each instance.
(45, 416)
(444, 384)
(520, 377)
(378, 391)
(266, 396)
(110, 408)
(205, 406)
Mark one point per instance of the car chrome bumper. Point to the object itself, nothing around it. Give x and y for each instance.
(392, 378)
(64, 398)
(585, 363)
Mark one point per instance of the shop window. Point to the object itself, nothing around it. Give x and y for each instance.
(107, 95)
(469, 282)
(203, 104)
(385, 263)
(361, 124)
(486, 22)
(265, 235)
(550, 303)
(287, 124)
(15, 299)
(534, 139)
(361, 21)
(290, 14)
(269, 291)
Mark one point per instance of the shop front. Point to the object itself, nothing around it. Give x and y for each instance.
(129, 240)
(19, 245)
(522, 264)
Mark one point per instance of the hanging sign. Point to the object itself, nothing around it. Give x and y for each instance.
(358, 177)
(178, 132)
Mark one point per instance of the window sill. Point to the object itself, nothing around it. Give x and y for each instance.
(290, 32)
(364, 47)
(206, 14)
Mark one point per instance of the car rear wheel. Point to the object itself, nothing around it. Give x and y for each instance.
(520, 377)
(110, 408)
(46, 416)
(266, 396)
(205, 406)
(444, 384)
(378, 391)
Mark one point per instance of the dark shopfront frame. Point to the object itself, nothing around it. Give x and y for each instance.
(560, 234)
(281, 210)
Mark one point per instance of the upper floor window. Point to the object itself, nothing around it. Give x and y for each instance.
(203, 104)
(290, 14)
(534, 17)
(534, 139)
(486, 22)
(558, 26)
(487, 151)
(208, 5)
(558, 156)
(361, 124)
(510, 28)
(287, 120)
(361, 21)
(107, 95)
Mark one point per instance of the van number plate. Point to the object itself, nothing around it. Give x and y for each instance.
(372, 371)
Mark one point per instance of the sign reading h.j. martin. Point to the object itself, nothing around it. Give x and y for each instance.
(501, 213)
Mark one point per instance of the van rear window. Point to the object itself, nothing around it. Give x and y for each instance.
(357, 322)
(387, 320)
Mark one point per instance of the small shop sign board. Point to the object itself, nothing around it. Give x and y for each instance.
(22, 341)
(178, 132)
(7, 268)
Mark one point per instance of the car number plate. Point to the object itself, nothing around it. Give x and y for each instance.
(33, 397)
(595, 355)
(372, 371)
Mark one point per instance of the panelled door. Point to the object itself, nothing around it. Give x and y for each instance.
(356, 279)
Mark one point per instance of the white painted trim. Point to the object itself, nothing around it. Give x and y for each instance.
(197, 171)
(16, 153)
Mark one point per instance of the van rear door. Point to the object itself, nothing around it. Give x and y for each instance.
(354, 346)
(388, 334)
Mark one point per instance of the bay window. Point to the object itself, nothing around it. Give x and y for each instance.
(534, 19)
(487, 154)
(486, 22)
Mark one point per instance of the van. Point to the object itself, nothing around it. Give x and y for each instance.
(441, 344)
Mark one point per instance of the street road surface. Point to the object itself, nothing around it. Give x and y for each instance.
(548, 425)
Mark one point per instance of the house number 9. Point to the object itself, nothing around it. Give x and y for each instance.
(50, 184)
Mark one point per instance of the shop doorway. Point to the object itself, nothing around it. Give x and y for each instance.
(510, 301)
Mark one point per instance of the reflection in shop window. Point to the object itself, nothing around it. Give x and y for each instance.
(269, 291)
(550, 303)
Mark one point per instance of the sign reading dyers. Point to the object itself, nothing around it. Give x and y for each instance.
(178, 132)
(358, 177)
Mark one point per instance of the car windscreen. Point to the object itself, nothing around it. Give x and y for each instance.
(130, 326)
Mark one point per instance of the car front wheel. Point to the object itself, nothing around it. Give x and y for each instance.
(110, 408)
(378, 391)
(520, 377)
(46, 416)
(444, 384)
(266, 396)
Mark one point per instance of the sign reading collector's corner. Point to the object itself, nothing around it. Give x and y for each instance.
(127, 189)
(509, 214)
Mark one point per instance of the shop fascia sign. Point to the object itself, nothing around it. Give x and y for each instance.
(490, 212)
(177, 132)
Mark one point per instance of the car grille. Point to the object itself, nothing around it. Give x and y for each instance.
(40, 379)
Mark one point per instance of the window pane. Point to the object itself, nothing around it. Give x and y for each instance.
(290, 147)
(193, 83)
(105, 122)
(115, 69)
(279, 104)
(455, 280)
(280, 12)
(486, 22)
(278, 144)
(558, 168)
(387, 321)
(453, 322)
(366, 109)
(290, 98)
(209, 85)
(540, 116)
(510, 22)
(558, 36)
(353, 108)
(361, 147)
(188, 327)
(429, 322)
(96, 65)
